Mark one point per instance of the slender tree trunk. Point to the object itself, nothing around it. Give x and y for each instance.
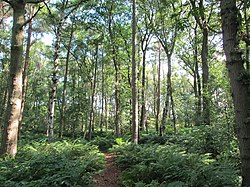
(200, 17)
(143, 100)
(10, 129)
(158, 91)
(106, 113)
(134, 78)
(3, 106)
(52, 96)
(63, 106)
(117, 69)
(173, 111)
(146, 103)
(168, 95)
(117, 100)
(240, 89)
(197, 81)
(91, 120)
(205, 75)
(102, 102)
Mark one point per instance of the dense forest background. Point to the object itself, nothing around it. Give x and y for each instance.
(78, 77)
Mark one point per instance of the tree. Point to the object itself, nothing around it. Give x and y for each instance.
(134, 78)
(10, 131)
(166, 32)
(239, 81)
(145, 31)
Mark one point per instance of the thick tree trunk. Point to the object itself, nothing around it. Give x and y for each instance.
(10, 131)
(25, 71)
(134, 78)
(239, 82)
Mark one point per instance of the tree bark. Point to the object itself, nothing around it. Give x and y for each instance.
(239, 82)
(10, 129)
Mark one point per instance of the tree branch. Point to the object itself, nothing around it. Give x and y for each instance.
(35, 1)
(27, 21)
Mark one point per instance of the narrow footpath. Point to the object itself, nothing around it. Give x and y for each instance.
(110, 175)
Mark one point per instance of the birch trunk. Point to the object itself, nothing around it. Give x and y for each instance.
(52, 97)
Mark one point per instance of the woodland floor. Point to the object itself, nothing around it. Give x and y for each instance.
(110, 175)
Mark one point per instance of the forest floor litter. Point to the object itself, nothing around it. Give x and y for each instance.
(110, 175)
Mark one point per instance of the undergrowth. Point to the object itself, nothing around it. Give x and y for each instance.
(171, 166)
(195, 157)
(62, 163)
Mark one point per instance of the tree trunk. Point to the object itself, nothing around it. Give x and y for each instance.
(143, 100)
(134, 78)
(158, 91)
(239, 82)
(52, 97)
(25, 71)
(197, 81)
(102, 104)
(167, 99)
(10, 129)
(91, 120)
(63, 107)
(117, 100)
(3, 105)
(199, 15)
(205, 75)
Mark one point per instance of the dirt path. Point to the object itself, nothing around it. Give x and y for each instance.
(110, 176)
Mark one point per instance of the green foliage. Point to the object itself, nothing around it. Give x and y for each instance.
(63, 163)
(103, 143)
(170, 165)
(152, 139)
